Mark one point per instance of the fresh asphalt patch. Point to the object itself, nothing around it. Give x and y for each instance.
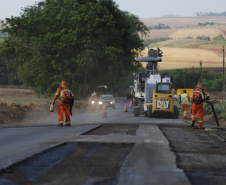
(199, 153)
(70, 163)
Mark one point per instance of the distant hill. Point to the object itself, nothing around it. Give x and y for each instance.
(171, 15)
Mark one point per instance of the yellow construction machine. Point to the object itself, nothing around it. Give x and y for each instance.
(163, 102)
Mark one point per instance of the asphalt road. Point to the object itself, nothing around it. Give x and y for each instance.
(114, 149)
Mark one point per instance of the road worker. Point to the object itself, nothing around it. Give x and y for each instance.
(197, 98)
(184, 101)
(66, 100)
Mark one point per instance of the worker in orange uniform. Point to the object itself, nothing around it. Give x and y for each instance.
(66, 99)
(197, 98)
(184, 101)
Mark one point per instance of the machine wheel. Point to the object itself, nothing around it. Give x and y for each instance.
(136, 112)
(136, 101)
(149, 111)
(175, 112)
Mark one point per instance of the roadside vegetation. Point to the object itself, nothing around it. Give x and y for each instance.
(184, 78)
(221, 111)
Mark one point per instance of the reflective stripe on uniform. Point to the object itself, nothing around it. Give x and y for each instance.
(200, 121)
(57, 94)
(61, 122)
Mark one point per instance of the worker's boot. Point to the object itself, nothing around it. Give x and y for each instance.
(60, 125)
(68, 124)
(193, 123)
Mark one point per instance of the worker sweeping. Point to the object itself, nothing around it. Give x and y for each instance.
(184, 101)
(197, 98)
(66, 100)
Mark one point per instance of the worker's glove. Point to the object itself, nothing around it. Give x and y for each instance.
(54, 102)
(207, 98)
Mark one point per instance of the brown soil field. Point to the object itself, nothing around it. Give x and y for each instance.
(183, 21)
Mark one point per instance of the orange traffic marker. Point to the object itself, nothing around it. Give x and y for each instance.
(130, 104)
(104, 111)
(125, 110)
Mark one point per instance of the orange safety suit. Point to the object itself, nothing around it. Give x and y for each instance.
(62, 107)
(184, 100)
(198, 108)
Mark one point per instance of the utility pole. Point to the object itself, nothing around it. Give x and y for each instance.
(223, 78)
(193, 74)
(185, 77)
(7, 71)
(201, 70)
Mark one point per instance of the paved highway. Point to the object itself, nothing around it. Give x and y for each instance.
(150, 160)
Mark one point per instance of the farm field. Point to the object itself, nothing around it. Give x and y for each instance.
(182, 33)
(183, 21)
(178, 58)
(184, 50)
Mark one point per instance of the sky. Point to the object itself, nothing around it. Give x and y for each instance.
(140, 8)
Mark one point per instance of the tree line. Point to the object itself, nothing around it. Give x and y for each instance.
(160, 26)
(210, 14)
(84, 42)
(189, 78)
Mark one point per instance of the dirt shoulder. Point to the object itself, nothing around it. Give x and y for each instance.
(14, 114)
(20, 104)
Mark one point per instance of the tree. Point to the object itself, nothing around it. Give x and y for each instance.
(84, 42)
(219, 37)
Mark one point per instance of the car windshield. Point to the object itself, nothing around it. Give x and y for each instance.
(106, 97)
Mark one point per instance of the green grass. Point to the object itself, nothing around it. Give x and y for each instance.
(221, 111)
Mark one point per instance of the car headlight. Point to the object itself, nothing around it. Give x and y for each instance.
(92, 102)
(112, 102)
(100, 102)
